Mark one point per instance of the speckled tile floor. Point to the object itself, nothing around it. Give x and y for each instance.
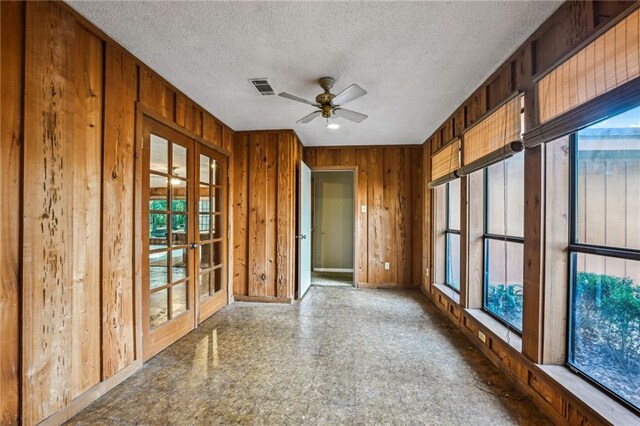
(341, 356)
(335, 279)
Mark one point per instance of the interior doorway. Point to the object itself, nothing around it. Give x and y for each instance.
(333, 228)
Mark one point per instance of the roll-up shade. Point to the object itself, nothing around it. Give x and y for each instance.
(496, 156)
(497, 130)
(444, 163)
(609, 61)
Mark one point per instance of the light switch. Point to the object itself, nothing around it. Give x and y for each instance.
(363, 208)
(386, 265)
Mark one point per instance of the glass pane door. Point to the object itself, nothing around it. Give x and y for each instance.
(212, 235)
(168, 231)
(168, 284)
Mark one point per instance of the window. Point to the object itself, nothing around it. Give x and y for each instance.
(504, 240)
(452, 236)
(604, 325)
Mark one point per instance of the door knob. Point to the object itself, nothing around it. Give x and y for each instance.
(302, 237)
(193, 246)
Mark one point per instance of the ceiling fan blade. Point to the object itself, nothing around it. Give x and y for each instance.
(309, 117)
(349, 94)
(356, 117)
(297, 98)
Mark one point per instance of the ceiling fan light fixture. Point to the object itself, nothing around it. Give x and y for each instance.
(333, 126)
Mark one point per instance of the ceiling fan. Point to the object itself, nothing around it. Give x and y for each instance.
(329, 104)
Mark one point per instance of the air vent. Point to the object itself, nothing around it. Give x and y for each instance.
(263, 86)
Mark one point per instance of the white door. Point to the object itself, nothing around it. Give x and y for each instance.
(304, 238)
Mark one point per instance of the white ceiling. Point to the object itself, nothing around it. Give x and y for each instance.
(417, 60)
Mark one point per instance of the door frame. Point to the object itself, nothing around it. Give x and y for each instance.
(142, 111)
(356, 215)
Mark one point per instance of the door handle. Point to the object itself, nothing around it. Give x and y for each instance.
(193, 246)
(301, 237)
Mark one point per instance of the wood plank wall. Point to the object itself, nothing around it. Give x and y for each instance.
(390, 184)
(264, 181)
(68, 170)
(572, 24)
(12, 17)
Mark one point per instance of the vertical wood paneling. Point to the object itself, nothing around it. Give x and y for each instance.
(391, 220)
(258, 197)
(11, 14)
(227, 138)
(362, 161)
(284, 214)
(417, 234)
(378, 225)
(271, 166)
(427, 229)
(309, 157)
(117, 217)
(208, 127)
(87, 166)
(159, 98)
(240, 213)
(48, 203)
(264, 201)
(184, 113)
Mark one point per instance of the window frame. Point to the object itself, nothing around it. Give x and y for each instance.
(574, 248)
(486, 237)
(447, 232)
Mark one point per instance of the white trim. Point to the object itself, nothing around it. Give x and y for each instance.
(332, 270)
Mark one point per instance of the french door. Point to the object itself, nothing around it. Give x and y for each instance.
(184, 238)
(212, 232)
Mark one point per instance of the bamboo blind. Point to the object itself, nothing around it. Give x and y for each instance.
(446, 160)
(494, 132)
(607, 62)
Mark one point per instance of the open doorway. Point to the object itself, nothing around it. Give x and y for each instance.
(333, 228)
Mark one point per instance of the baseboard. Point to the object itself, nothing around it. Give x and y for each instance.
(388, 286)
(261, 299)
(332, 270)
(91, 395)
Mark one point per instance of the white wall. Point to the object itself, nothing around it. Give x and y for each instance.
(333, 220)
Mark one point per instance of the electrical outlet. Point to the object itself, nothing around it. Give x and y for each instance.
(386, 265)
(482, 337)
(363, 208)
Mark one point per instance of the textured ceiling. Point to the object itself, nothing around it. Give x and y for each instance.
(417, 60)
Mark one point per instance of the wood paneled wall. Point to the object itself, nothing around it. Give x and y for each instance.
(11, 60)
(264, 182)
(69, 326)
(390, 184)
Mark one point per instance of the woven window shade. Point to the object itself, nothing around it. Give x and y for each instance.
(609, 61)
(498, 129)
(445, 161)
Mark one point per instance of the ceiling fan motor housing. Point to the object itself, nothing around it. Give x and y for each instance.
(324, 99)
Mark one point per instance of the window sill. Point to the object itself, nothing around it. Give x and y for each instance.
(449, 292)
(510, 337)
(601, 403)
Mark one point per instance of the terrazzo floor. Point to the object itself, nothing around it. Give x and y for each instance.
(340, 356)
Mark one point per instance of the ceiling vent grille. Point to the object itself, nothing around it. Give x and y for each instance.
(263, 86)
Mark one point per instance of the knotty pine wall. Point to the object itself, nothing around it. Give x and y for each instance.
(264, 200)
(390, 183)
(67, 308)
